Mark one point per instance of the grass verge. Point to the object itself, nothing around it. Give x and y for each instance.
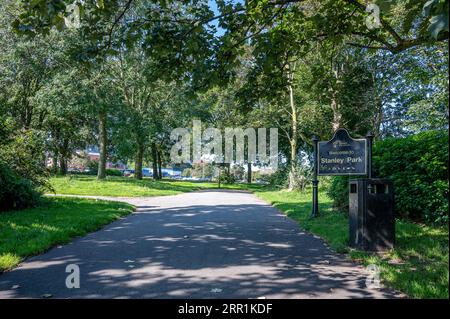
(130, 187)
(56, 221)
(418, 266)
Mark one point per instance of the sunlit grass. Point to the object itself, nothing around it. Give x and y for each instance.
(129, 187)
(55, 221)
(418, 266)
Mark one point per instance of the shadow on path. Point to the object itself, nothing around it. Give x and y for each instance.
(207, 244)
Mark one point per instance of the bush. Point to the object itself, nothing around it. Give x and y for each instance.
(338, 191)
(227, 178)
(15, 192)
(280, 177)
(187, 172)
(113, 172)
(23, 153)
(418, 168)
(22, 166)
(92, 166)
(109, 172)
(302, 178)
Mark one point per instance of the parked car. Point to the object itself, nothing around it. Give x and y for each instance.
(147, 172)
(128, 172)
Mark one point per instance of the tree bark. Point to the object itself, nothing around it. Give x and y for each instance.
(64, 156)
(293, 166)
(138, 161)
(337, 116)
(159, 165)
(378, 116)
(63, 166)
(103, 142)
(155, 161)
(55, 162)
(293, 139)
(249, 173)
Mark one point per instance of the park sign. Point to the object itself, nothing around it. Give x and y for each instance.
(342, 155)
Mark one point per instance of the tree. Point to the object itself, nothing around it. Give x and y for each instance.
(67, 119)
(150, 108)
(411, 90)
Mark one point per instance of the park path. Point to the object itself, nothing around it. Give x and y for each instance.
(207, 244)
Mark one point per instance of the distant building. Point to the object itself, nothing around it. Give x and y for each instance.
(91, 154)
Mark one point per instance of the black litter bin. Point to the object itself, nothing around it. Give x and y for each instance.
(371, 214)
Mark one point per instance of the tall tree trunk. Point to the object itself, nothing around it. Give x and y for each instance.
(378, 112)
(159, 165)
(65, 156)
(155, 161)
(336, 70)
(293, 165)
(293, 139)
(55, 162)
(139, 159)
(378, 116)
(337, 116)
(103, 142)
(28, 116)
(63, 165)
(249, 173)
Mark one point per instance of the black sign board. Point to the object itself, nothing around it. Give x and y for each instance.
(342, 155)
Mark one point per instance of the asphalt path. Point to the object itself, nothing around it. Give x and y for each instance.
(208, 244)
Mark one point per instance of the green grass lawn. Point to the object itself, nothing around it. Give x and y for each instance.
(130, 187)
(418, 266)
(55, 221)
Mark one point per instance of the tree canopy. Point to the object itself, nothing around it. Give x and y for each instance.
(121, 74)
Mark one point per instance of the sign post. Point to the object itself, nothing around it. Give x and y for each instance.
(220, 165)
(369, 138)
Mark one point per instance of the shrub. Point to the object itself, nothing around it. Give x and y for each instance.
(280, 177)
(91, 172)
(338, 191)
(23, 153)
(227, 178)
(187, 172)
(92, 166)
(113, 172)
(15, 192)
(302, 177)
(418, 168)
(22, 166)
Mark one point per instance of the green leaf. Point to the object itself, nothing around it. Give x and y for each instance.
(100, 4)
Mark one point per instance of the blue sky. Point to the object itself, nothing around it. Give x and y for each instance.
(213, 6)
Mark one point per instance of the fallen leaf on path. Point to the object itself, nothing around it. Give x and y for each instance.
(216, 290)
